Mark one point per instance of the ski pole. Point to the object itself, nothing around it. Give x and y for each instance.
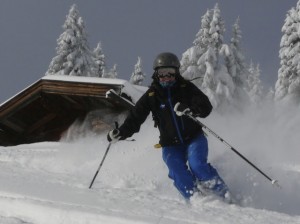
(107, 149)
(273, 181)
(105, 154)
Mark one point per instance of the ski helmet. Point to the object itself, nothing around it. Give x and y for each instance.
(166, 59)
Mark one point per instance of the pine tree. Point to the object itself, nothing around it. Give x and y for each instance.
(210, 37)
(202, 39)
(112, 73)
(73, 53)
(235, 64)
(99, 59)
(255, 88)
(202, 63)
(217, 29)
(288, 83)
(213, 84)
(209, 83)
(270, 95)
(239, 69)
(137, 76)
(189, 67)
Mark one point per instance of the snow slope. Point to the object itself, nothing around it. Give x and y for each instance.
(48, 182)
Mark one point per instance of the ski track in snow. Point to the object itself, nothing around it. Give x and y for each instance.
(47, 182)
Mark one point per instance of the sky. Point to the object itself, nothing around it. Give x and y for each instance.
(128, 29)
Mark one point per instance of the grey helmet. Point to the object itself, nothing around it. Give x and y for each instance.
(166, 59)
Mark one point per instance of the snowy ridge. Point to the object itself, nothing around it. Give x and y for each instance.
(48, 182)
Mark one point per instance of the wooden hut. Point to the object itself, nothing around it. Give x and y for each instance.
(45, 110)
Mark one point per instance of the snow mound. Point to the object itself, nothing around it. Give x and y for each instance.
(48, 182)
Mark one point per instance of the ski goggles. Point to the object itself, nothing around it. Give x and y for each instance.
(166, 72)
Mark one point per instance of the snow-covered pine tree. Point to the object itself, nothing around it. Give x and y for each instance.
(239, 70)
(112, 73)
(249, 80)
(214, 85)
(270, 95)
(217, 29)
(227, 53)
(202, 63)
(189, 68)
(74, 56)
(99, 59)
(209, 37)
(235, 64)
(202, 39)
(209, 83)
(254, 86)
(138, 75)
(288, 83)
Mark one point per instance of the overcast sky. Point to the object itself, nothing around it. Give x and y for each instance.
(128, 29)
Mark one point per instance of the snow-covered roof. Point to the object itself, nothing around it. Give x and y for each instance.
(134, 91)
(85, 79)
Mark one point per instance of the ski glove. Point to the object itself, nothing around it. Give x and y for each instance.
(113, 135)
(181, 109)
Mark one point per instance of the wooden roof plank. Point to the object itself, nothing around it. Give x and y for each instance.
(41, 122)
(13, 126)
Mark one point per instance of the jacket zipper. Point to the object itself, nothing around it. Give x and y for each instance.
(174, 116)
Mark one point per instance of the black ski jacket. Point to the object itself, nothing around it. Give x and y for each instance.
(161, 101)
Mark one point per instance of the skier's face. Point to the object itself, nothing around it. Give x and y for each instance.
(166, 76)
(163, 73)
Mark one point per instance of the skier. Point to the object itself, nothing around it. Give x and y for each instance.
(184, 145)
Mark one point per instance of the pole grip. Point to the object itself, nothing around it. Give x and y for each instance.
(116, 125)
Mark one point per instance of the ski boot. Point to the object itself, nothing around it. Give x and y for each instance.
(216, 186)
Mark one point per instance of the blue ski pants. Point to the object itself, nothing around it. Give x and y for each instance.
(186, 163)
